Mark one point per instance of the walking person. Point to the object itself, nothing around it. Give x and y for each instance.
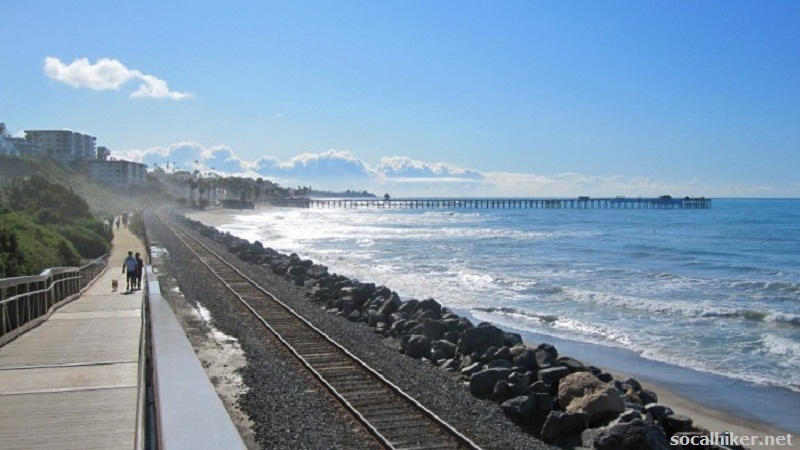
(139, 270)
(129, 266)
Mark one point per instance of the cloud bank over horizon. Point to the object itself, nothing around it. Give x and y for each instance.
(108, 74)
(338, 170)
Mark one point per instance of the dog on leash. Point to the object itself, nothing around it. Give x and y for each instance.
(114, 285)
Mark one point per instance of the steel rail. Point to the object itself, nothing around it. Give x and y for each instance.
(347, 373)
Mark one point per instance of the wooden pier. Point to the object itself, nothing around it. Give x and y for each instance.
(663, 202)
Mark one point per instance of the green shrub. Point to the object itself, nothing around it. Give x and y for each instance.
(86, 241)
(12, 260)
(41, 246)
(97, 227)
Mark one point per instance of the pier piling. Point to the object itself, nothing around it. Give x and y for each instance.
(663, 202)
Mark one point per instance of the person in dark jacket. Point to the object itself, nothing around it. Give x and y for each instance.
(139, 270)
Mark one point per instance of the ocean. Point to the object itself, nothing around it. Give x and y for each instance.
(711, 296)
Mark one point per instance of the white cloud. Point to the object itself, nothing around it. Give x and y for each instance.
(108, 74)
(405, 167)
(153, 87)
(190, 156)
(402, 176)
(330, 163)
(104, 74)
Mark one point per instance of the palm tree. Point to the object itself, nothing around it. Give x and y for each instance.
(202, 190)
(259, 185)
(192, 186)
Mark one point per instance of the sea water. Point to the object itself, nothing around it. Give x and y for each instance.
(715, 290)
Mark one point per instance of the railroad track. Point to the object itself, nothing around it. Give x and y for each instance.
(393, 418)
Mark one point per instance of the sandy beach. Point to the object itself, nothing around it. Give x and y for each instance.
(713, 419)
(719, 421)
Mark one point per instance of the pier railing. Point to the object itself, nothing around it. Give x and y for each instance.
(664, 202)
(27, 301)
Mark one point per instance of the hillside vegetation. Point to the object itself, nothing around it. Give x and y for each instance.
(44, 224)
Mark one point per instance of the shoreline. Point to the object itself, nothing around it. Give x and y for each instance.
(675, 393)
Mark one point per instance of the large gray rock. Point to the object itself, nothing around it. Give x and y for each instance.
(431, 305)
(452, 336)
(481, 336)
(442, 349)
(410, 325)
(526, 359)
(434, 329)
(571, 363)
(544, 402)
(560, 424)
(481, 384)
(469, 369)
(390, 305)
(317, 271)
(647, 396)
(502, 353)
(459, 324)
(407, 307)
(658, 411)
(519, 382)
(677, 423)
(512, 339)
(499, 363)
(546, 355)
(362, 292)
(552, 375)
(418, 346)
(583, 392)
(518, 407)
(424, 314)
(502, 391)
(418, 329)
(486, 354)
(634, 435)
(374, 319)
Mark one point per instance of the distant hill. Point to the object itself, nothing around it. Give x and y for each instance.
(343, 194)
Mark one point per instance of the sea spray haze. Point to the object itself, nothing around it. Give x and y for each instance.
(717, 290)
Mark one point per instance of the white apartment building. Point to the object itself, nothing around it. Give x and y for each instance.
(118, 172)
(25, 147)
(63, 145)
(7, 147)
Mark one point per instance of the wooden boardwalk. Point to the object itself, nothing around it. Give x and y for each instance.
(664, 202)
(73, 381)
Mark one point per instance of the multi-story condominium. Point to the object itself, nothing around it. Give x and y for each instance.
(118, 172)
(25, 147)
(63, 145)
(7, 147)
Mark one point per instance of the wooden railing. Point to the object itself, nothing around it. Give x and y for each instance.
(27, 301)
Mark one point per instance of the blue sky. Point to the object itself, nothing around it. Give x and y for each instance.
(512, 98)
